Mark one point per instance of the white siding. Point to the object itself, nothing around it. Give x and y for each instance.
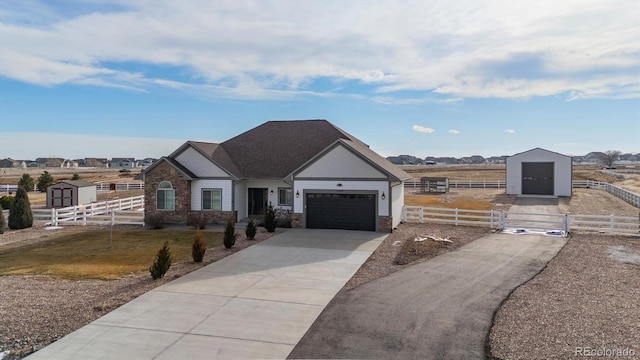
(561, 170)
(340, 163)
(240, 199)
(199, 165)
(397, 203)
(271, 185)
(198, 185)
(310, 185)
(87, 195)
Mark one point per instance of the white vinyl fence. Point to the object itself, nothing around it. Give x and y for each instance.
(120, 187)
(504, 219)
(113, 212)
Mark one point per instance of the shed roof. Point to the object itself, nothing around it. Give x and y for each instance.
(76, 183)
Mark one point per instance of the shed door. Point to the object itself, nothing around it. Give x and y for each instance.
(537, 178)
(61, 197)
(341, 211)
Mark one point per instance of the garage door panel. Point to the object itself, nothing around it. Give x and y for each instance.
(537, 178)
(341, 211)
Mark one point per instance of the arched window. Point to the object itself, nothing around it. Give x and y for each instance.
(165, 196)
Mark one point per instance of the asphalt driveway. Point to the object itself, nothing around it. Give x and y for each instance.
(254, 304)
(438, 309)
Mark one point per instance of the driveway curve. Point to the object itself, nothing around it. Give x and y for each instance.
(438, 309)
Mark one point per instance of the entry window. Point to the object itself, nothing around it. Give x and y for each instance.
(165, 196)
(285, 196)
(212, 199)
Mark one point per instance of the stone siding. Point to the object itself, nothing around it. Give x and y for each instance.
(182, 188)
(296, 220)
(385, 224)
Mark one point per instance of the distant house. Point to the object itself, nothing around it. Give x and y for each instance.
(96, 162)
(321, 175)
(446, 160)
(71, 193)
(10, 163)
(122, 163)
(146, 162)
(49, 162)
(497, 159)
(539, 172)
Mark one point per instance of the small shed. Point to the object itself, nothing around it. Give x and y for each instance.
(71, 193)
(434, 185)
(539, 172)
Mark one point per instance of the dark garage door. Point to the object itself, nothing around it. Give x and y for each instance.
(341, 211)
(537, 178)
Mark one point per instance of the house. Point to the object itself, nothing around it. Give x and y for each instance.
(123, 163)
(49, 162)
(10, 163)
(323, 176)
(96, 162)
(71, 193)
(539, 172)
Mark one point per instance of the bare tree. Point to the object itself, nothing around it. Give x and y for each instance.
(609, 157)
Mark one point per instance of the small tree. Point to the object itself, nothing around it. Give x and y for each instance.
(1, 221)
(20, 216)
(251, 230)
(27, 182)
(229, 238)
(198, 247)
(270, 219)
(162, 262)
(75, 177)
(44, 181)
(5, 202)
(609, 157)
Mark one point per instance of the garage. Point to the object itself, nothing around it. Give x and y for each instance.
(537, 178)
(539, 172)
(341, 211)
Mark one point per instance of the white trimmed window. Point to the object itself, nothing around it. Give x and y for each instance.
(212, 199)
(285, 196)
(165, 196)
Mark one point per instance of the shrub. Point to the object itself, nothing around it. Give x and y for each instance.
(198, 247)
(5, 202)
(75, 177)
(251, 230)
(27, 182)
(229, 238)
(1, 221)
(270, 219)
(44, 181)
(20, 216)
(154, 221)
(197, 219)
(162, 262)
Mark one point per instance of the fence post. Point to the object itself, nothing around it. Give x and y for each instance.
(501, 219)
(456, 217)
(113, 217)
(421, 214)
(565, 225)
(84, 217)
(612, 227)
(54, 217)
(119, 204)
(491, 219)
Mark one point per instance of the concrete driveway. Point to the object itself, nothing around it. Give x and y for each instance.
(256, 303)
(438, 309)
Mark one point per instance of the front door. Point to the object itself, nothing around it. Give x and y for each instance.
(257, 201)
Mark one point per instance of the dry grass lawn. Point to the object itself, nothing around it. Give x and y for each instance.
(447, 202)
(92, 255)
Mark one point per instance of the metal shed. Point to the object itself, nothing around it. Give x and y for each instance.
(71, 193)
(539, 172)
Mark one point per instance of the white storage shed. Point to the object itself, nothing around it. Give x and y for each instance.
(71, 193)
(539, 172)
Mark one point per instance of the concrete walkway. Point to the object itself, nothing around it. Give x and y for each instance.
(439, 309)
(256, 303)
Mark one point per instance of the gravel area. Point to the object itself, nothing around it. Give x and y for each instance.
(587, 299)
(37, 310)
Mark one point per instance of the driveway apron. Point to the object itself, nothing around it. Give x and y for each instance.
(439, 309)
(256, 303)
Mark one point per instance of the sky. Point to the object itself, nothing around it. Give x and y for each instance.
(126, 78)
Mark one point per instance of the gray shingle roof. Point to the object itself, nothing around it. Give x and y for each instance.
(276, 149)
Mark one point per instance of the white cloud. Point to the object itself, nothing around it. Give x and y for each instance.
(255, 49)
(510, 131)
(454, 132)
(422, 129)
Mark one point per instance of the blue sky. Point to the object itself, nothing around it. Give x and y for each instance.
(429, 78)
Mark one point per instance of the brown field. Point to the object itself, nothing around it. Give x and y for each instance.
(11, 176)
